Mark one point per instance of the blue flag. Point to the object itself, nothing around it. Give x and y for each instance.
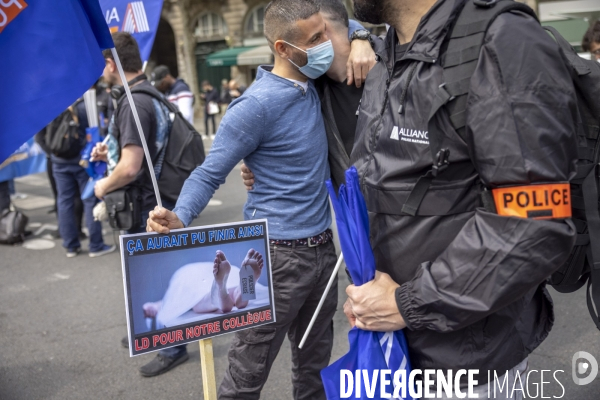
(28, 159)
(140, 18)
(51, 54)
(370, 352)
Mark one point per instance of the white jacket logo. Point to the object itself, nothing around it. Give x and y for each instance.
(410, 135)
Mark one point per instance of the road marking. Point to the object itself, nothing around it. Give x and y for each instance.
(34, 180)
(33, 202)
(44, 227)
(58, 277)
(215, 203)
(39, 244)
(18, 288)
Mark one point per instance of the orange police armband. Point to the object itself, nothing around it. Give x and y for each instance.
(534, 201)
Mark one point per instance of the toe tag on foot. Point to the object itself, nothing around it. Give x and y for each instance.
(247, 283)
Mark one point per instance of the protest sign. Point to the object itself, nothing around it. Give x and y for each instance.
(196, 283)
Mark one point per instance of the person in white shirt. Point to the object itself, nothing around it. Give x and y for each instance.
(175, 90)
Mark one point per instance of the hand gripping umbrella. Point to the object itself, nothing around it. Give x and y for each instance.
(369, 351)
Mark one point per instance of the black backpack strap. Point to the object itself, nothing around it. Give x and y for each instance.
(576, 62)
(152, 93)
(157, 95)
(149, 92)
(440, 160)
(590, 196)
(464, 47)
(172, 107)
(459, 61)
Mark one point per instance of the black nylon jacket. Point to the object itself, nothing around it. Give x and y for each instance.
(472, 282)
(339, 159)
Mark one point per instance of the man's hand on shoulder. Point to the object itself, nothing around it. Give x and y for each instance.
(247, 177)
(162, 220)
(360, 62)
(373, 307)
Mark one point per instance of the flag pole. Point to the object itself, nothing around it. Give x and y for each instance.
(137, 124)
(318, 310)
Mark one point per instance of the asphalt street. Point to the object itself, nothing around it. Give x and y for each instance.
(61, 322)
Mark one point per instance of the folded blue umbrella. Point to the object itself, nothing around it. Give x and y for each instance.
(369, 351)
(95, 169)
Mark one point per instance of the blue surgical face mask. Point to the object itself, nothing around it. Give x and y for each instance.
(319, 59)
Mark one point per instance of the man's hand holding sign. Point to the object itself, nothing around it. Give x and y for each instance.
(162, 220)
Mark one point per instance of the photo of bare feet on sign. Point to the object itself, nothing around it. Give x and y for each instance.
(192, 295)
(175, 288)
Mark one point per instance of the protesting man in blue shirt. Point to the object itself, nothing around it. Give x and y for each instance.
(278, 130)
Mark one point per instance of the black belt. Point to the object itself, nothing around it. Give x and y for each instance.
(313, 241)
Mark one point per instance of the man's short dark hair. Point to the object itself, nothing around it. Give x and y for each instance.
(128, 51)
(281, 17)
(591, 36)
(335, 10)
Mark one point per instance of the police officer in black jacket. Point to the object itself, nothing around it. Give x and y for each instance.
(466, 282)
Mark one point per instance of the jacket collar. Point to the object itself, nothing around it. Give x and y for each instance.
(266, 72)
(430, 34)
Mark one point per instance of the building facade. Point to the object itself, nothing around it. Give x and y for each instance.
(212, 40)
(222, 39)
(572, 18)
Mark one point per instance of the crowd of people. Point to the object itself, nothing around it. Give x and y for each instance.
(450, 272)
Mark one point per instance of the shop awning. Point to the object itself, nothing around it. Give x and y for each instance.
(254, 55)
(257, 56)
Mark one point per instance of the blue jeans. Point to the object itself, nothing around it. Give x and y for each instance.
(70, 181)
(208, 117)
(177, 350)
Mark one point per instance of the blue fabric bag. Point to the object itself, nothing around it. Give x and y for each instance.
(95, 169)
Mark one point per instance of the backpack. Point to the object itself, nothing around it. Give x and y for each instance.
(62, 134)
(12, 226)
(584, 261)
(460, 55)
(183, 153)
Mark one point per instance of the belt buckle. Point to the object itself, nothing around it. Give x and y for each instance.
(308, 241)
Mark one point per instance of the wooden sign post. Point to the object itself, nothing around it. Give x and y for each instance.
(207, 363)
